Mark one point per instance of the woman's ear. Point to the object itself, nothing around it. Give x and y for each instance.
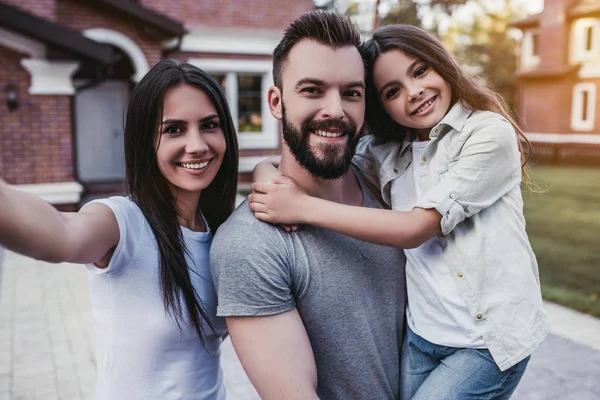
(275, 102)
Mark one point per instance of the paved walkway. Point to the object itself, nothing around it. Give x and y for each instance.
(46, 342)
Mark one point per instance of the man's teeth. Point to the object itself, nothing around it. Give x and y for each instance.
(328, 134)
(195, 166)
(424, 106)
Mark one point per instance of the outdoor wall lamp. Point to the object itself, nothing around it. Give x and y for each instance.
(12, 97)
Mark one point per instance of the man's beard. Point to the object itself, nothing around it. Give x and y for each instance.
(334, 161)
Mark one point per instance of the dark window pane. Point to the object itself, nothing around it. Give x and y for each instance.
(221, 79)
(588, 38)
(535, 44)
(249, 103)
(584, 101)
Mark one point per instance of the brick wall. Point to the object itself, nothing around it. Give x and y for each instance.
(257, 14)
(41, 8)
(35, 140)
(554, 33)
(78, 16)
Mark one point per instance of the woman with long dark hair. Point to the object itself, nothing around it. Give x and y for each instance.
(153, 301)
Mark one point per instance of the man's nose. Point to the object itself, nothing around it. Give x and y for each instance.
(332, 106)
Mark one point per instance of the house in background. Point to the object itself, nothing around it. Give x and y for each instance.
(67, 67)
(559, 81)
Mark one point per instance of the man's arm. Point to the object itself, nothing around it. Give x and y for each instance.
(276, 354)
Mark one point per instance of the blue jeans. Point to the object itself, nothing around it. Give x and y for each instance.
(432, 372)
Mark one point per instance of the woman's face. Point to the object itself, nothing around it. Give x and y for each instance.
(411, 91)
(190, 144)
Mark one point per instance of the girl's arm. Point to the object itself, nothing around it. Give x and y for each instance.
(266, 170)
(32, 227)
(282, 202)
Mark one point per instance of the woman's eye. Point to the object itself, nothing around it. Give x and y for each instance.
(173, 129)
(209, 126)
(391, 93)
(420, 71)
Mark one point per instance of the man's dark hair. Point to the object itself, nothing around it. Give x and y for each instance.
(324, 27)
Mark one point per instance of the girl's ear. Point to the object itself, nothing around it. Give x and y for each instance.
(275, 104)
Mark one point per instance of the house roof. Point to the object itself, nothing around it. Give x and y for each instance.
(548, 73)
(160, 23)
(529, 22)
(55, 36)
(584, 9)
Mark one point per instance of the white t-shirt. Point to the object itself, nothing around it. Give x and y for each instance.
(435, 310)
(141, 352)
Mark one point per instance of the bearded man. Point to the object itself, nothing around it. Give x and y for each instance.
(312, 313)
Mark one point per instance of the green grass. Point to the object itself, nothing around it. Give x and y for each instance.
(563, 223)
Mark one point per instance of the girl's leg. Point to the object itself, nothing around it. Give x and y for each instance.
(471, 374)
(418, 359)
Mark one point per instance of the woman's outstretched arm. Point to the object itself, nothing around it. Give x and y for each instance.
(32, 227)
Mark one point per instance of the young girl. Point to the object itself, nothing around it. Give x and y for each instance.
(445, 157)
(153, 301)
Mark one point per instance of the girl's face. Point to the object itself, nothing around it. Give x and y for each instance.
(411, 91)
(190, 144)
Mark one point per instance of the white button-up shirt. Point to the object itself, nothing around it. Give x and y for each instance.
(471, 174)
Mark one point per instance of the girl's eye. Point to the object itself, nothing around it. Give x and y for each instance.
(420, 71)
(173, 129)
(391, 93)
(209, 126)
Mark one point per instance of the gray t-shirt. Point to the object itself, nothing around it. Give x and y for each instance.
(350, 295)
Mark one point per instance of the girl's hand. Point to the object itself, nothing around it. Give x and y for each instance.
(279, 202)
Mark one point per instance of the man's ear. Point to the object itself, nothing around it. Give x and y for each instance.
(275, 102)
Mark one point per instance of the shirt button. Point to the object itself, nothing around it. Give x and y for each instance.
(395, 170)
(424, 159)
(479, 316)
(436, 130)
(452, 195)
(460, 275)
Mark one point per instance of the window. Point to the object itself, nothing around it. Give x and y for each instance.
(583, 112)
(586, 39)
(530, 50)
(246, 84)
(535, 37)
(249, 103)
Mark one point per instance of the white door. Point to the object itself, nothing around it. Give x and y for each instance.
(100, 113)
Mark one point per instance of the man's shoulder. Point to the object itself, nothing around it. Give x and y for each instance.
(242, 231)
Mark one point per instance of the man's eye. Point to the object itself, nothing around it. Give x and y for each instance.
(391, 93)
(311, 90)
(354, 93)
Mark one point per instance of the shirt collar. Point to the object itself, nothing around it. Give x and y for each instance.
(455, 118)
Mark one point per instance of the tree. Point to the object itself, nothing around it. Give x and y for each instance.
(488, 45)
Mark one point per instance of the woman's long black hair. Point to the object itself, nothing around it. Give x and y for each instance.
(149, 189)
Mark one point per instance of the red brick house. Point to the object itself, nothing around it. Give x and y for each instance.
(559, 79)
(67, 66)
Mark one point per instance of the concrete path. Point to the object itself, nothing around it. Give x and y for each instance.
(46, 342)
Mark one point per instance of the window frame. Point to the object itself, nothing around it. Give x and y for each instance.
(577, 122)
(268, 138)
(580, 51)
(528, 59)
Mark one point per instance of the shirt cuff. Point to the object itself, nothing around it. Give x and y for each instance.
(446, 203)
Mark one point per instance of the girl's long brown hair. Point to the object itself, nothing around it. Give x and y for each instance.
(474, 92)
